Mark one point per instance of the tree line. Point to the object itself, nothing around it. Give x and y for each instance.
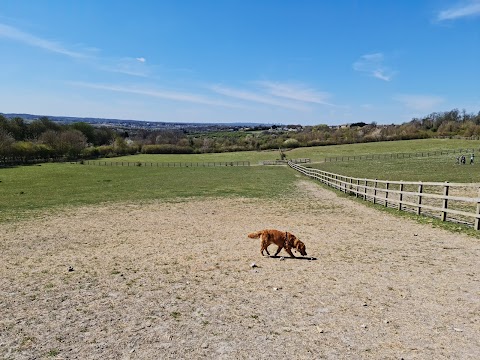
(43, 139)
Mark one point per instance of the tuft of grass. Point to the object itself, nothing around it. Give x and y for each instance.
(53, 352)
(176, 315)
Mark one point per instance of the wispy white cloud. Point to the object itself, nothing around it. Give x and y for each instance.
(257, 97)
(128, 66)
(157, 93)
(14, 34)
(461, 10)
(373, 64)
(288, 95)
(420, 102)
(297, 92)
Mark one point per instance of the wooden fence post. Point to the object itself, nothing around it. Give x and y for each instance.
(375, 191)
(445, 201)
(365, 190)
(358, 183)
(400, 197)
(420, 191)
(386, 194)
(477, 219)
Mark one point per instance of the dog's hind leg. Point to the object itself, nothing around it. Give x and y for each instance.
(264, 248)
(278, 250)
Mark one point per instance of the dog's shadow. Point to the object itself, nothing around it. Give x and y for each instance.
(292, 258)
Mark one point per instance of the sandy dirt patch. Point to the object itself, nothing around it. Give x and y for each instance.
(174, 280)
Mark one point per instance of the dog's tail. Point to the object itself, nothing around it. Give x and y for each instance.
(255, 235)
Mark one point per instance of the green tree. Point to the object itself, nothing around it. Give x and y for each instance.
(52, 139)
(6, 142)
(86, 129)
(71, 143)
(103, 136)
(18, 129)
(23, 150)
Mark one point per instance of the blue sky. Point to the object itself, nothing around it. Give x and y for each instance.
(270, 61)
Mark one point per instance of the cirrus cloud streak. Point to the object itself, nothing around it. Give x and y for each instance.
(12, 33)
(373, 64)
(157, 93)
(470, 9)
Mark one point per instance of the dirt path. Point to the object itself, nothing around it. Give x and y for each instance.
(173, 280)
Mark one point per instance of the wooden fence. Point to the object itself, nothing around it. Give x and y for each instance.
(163, 164)
(284, 162)
(459, 152)
(455, 202)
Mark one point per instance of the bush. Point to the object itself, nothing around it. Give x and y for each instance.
(291, 143)
(166, 149)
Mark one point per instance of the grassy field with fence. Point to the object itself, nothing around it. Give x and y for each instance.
(254, 157)
(434, 168)
(316, 154)
(450, 202)
(31, 189)
(319, 153)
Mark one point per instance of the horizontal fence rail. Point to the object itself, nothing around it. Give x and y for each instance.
(459, 152)
(164, 164)
(454, 202)
(285, 162)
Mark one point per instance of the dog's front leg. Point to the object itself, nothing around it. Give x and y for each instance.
(289, 252)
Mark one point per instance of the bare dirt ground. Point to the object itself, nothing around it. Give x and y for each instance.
(174, 280)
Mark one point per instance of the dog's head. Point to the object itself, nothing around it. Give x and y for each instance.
(300, 246)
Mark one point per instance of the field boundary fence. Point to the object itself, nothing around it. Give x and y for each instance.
(164, 164)
(285, 162)
(401, 155)
(453, 202)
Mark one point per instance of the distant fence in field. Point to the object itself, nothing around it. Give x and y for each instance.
(455, 202)
(285, 162)
(164, 164)
(400, 155)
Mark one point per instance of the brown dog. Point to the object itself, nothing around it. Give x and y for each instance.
(283, 239)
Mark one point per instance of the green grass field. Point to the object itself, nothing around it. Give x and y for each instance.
(33, 189)
(434, 169)
(253, 156)
(319, 153)
(30, 189)
(316, 154)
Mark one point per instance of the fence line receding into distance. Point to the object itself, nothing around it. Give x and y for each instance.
(285, 162)
(164, 164)
(454, 202)
(459, 152)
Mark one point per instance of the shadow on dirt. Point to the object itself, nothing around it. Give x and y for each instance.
(292, 258)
